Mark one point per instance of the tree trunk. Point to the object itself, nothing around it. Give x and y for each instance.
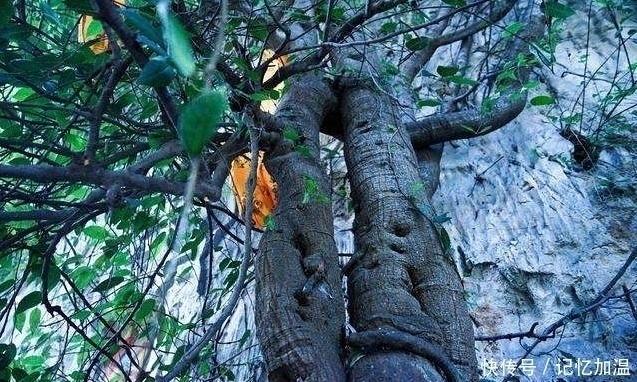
(405, 292)
(299, 308)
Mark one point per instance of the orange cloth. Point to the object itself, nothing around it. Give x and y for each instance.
(265, 193)
(101, 45)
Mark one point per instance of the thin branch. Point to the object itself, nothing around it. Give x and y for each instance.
(576, 313)
(118, 70)
(102, 177)
(475, 122)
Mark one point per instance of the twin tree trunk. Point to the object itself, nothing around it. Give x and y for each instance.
(405, 296)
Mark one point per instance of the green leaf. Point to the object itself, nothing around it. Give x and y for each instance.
(6, 11)
(34, 318)
(417, 43)
(82, 276)
(542, 100)
(556, 10)
(269, 223)
(108, 284)
(7, 354)
(33, 361)
(94, 28)
(462, 80)
(455, 3)
(428, 102)
(291, 134)
(178, 41)
(303, 150)
(156, 73)
(29, 301)
(231, 278)
(258, 29)
(144, 25)
(199, 120)
(6, 285)
(446, 71)
(512, 29)
(444, 240)
(145, 309)
(389, 27)
(96, 232)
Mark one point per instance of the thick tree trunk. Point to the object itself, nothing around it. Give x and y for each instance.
(405, 293)
(299, 305)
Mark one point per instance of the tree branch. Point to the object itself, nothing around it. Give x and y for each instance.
(102, 177)
(470, 123)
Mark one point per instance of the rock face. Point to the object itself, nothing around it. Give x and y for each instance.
(536, 240)
(539, 234)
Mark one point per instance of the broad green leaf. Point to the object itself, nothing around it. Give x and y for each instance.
(156, 73)
(33, 361)
(554, 9)
(82, 276)
(512, 29)
(108, 284)
(269, 223)
(446, 71)
(231, 278)
(444, 240)
(244, 338)
(34, 318)
(96, 232)
(417, 43)
(455, 3)
(291, 134)
(389, 27)
(22, 94)
(6, 285)
(428, 102)
(94, 29)
(144, 25)
(199, 120)
(462, 80)
(7, 354)
(258, 29)
(178, 42)
(6, 11)
(145, 309)
(53, 276)
(542, 100)
(29, 301)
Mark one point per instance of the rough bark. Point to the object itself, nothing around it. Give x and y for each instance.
(399, 277)
(299, 309)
